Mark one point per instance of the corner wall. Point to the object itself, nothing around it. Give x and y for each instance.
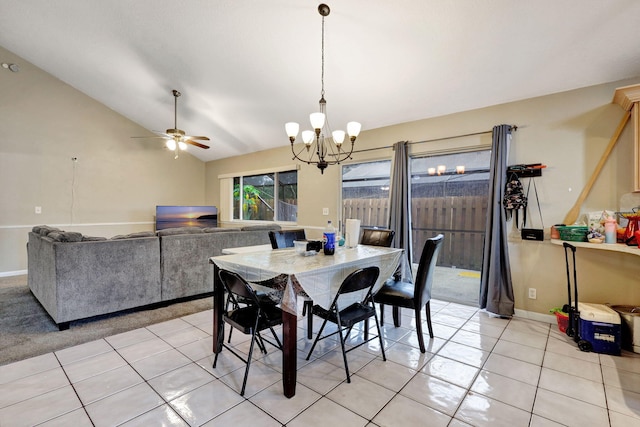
(113, 187)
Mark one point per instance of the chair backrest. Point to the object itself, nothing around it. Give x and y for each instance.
(237, 286)
(426, 267)
(284, 238)
(377, 237)
(364, 278)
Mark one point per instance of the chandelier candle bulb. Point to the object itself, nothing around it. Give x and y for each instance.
(441, 169)
(459, 169)
(353, 129)
(317, 121)
(307, 137)
(338, 137)
(431, 171)
(292, 129)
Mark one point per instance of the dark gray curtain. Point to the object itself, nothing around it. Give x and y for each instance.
(496, 289)
(400, 205)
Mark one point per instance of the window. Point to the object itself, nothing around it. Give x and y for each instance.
(365, 192)
(266, 197)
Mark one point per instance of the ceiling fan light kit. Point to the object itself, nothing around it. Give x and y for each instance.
(325, 153)
(176, 138)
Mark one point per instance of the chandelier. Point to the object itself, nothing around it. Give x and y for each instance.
(320, 151)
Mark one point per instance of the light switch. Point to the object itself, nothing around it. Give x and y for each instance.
(325, 211)
(38, 209)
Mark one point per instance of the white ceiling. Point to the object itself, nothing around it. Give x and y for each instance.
(245, 67)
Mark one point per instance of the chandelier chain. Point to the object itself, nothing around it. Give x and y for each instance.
(322, 73)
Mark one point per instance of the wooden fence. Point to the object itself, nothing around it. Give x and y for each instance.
(461, 219)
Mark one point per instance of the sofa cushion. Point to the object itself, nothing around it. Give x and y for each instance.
(92, 239)
(134, 235)
(44, 230)
(65, 236)
(219, 229)
(179, 230)
(261, 227)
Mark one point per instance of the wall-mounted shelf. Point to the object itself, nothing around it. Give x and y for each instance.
(612, 247)
(526, 171)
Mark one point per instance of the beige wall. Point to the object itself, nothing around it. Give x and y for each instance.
(567, 131)
(112, 189)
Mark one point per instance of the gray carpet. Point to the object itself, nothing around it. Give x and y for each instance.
(26, 330)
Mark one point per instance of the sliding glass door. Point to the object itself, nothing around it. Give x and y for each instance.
(449, 197)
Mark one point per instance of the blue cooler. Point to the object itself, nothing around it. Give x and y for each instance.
(600, 326)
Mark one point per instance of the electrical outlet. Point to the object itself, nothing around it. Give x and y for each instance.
(532, 293)
(38, 210)
(325, 211)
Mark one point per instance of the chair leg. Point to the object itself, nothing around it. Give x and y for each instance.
(308, 307)
(419, 329)
(275, 336)
(384, 356)
(344, 352)
(246, 371)
(396, 316)
(428, 310)
(381, 314)
(317, 339)
(260, 342)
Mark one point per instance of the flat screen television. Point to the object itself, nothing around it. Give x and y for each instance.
(186, 216)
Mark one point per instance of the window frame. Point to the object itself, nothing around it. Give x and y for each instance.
(227, 184)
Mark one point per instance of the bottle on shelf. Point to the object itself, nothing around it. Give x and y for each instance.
(610, 226)
(329, 237)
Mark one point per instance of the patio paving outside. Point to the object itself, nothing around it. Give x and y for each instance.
(456, 285)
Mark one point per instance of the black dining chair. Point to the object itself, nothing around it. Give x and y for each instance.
(233, 302)
(251, 319)
(346, 318)
(377, 237)
(284, 239)
(413, 295)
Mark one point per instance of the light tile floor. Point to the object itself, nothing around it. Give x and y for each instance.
(478, 370)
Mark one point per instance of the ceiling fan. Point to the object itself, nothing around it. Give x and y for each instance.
(176, 138)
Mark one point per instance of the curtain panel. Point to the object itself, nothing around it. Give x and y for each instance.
(496, 289)
(400, 205)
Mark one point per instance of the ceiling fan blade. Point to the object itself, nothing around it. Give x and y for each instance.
(197, 144)
(202, 138)
(163, 134)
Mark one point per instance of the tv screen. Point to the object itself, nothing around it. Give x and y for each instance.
(186, 216)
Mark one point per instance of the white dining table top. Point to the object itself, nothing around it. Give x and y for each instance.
(287, 261)
(319, 275)
(245, 249)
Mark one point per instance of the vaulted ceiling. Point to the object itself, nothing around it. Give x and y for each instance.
(246, 67)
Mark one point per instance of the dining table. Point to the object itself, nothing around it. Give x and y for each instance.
(317, 274)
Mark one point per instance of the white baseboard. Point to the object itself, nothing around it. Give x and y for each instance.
(532, 315)
(12, 273)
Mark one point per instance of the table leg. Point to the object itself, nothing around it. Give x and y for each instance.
(289, 353)
(218, 308)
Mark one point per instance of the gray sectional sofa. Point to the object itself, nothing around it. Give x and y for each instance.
(76, 277)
